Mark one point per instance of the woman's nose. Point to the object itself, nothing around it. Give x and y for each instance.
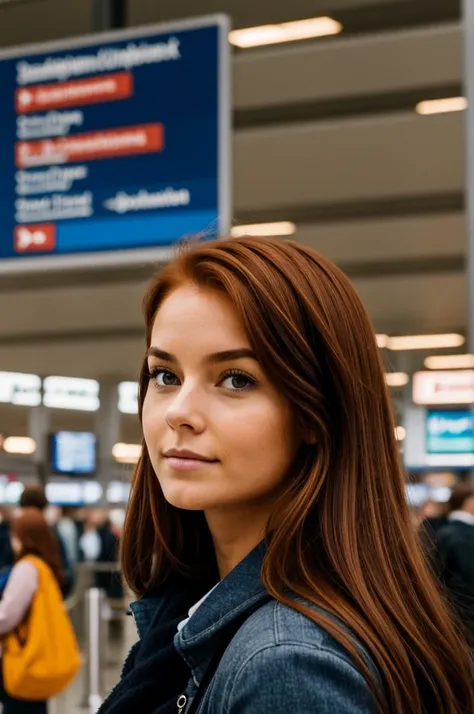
(184, 411)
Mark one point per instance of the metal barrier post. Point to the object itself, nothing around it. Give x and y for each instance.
(94, 643)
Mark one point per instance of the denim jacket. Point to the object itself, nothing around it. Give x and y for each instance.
(276, 661)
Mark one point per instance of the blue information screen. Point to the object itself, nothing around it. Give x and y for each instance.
(73, 452)
(450, 431)
(113, 143)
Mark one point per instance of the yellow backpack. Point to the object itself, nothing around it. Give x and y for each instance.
(41, 657)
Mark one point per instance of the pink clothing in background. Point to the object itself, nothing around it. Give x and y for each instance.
(17, 596)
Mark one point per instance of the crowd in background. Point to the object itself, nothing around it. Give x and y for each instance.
(447, 534)
(91, 535)
(84, 535)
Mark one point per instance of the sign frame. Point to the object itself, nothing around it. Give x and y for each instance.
(160, 254)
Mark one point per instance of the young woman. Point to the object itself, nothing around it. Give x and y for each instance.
(268, 535)
(30, 535)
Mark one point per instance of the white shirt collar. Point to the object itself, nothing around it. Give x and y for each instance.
(462, 516)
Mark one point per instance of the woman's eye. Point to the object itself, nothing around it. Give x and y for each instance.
(164, 378)
(237, 382)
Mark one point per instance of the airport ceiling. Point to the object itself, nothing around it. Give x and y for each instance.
(326, 136)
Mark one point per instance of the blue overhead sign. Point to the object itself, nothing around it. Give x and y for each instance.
(115, 145)
(450, 432)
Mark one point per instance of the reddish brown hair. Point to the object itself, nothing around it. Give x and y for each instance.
(37, 538)
(34, 497)
(341, 537)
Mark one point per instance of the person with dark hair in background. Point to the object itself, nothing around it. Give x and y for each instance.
(6, 553)
(455, 543)
(30, 535)
(268, 534)
(35, 497)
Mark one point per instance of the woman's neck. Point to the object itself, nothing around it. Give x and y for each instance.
(235, 534)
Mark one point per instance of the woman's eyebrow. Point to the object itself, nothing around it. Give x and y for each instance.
(226, 356)
(160, 354)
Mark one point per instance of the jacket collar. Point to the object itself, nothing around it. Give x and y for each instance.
(234, 599)
(144, 612)
(172, 602)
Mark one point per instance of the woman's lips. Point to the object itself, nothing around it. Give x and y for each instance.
(187, 464)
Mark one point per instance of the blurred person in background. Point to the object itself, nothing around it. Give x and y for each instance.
(268, 536)
(34, 496)
(100, 544)
(117, 520)
(68, 530)
(30, 535)
(6, 552)
(455, 544)
(433, 515)
(90, 542)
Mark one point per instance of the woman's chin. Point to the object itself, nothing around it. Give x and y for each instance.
(190, 499)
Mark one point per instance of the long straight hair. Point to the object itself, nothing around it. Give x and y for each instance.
(341, 537)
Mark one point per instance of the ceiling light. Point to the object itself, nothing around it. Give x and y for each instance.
(397, 379)
(424, 342)
(260, 230)
(400, 433)
(127, 453)
(382, 340)
(19, 445)
(441, 106)
(450, 362)
(285, 32)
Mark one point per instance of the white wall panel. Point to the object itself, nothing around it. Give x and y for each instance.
(120, 358)
(415, 303)
(80, 307)
(263, 11)
(366, 159)
(357, 66)
(426, 236)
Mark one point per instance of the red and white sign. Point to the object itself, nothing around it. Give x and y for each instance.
(41, 97)
(108, 144)
(436, 388)
(37, 238)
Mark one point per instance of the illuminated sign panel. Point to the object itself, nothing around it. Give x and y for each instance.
(114, 146)
(71, 393)
(437, 388)
(128, 397)
(20, 389)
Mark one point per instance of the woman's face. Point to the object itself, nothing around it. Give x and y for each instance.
(208, 395)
